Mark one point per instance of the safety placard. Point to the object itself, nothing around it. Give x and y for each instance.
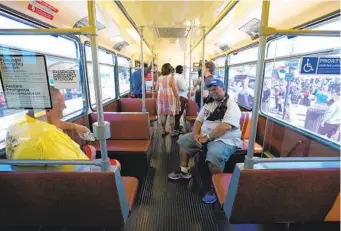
(42, 8)
(320, 66)
(65, 78)
(25, 82)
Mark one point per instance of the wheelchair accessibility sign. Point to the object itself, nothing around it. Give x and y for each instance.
(320, 66)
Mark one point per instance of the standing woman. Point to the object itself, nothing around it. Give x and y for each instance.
(168, 100)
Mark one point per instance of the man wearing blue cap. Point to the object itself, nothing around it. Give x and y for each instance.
(217, 126)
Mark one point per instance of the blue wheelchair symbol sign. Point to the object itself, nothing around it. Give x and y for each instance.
(309, 65)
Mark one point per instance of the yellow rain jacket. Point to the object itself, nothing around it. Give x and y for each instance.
(32, 139)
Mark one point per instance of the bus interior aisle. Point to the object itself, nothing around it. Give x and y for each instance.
(165, 205)
(170, 115)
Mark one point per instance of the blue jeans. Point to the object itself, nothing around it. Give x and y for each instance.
(218, 152)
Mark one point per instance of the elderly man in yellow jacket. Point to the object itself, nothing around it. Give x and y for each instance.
(32, 139)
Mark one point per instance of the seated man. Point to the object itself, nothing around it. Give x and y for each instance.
(32, 139)
(55, 115)
(216, 126)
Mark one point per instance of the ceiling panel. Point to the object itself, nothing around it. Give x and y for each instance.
(167, 19)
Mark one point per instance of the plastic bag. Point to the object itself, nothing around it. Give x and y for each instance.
(32, 139)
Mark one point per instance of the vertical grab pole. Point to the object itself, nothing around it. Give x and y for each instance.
(152, 72)
(258, 85)
(102, 128)
(184, 71)
(142, 74)
(203, 68)
(190, 70)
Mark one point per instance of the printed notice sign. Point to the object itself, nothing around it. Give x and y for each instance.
(67, 78)
(25, 82)
(320, 65)
(42, 8)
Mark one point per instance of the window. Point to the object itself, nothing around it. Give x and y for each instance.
(60, 53)
(241, 84)
(289, 46)
(220, 68)
(123, 74)
(244, 56)
(106, 72)
(242, 77)
(73, 97)
(308, 102)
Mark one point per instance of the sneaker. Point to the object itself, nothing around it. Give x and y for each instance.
(210, 197)
(179, 175)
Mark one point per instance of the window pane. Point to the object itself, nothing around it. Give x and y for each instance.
(39, 43)
(73, 97)
(309, 102)
(304, 44)
(124, 79)
(103, 56)
(220, 68)
(123, 62)
(49, 46)
(241, 84)
(244, 56)
(107, 82)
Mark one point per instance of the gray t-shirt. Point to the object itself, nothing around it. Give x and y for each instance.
(232, 117)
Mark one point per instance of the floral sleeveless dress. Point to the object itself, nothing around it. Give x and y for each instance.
(166, 101)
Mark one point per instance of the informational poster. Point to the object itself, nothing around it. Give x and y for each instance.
(25, 82)
(65, 78)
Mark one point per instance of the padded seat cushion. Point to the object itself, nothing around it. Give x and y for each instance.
(257, 148)
(221, 184)
(134, 146)
(130, 187)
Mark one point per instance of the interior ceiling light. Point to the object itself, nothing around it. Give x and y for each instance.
(222, 46)
(85, 22)
(251, 28)
(120, 45)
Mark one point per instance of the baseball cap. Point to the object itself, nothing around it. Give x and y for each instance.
(215, 82)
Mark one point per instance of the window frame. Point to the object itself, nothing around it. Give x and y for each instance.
(301, 131)
(78, 60)
(113, 54)
(30, 21)
(126, 92)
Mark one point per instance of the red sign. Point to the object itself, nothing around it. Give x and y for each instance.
(40, 12)
(149, 77)
(47, 5)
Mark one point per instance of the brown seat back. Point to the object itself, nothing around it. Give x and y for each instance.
(81, 199)
(126, 125)
(281, 195)
(245, 125)
(150, 94)
(192, 108)
(135, 105)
